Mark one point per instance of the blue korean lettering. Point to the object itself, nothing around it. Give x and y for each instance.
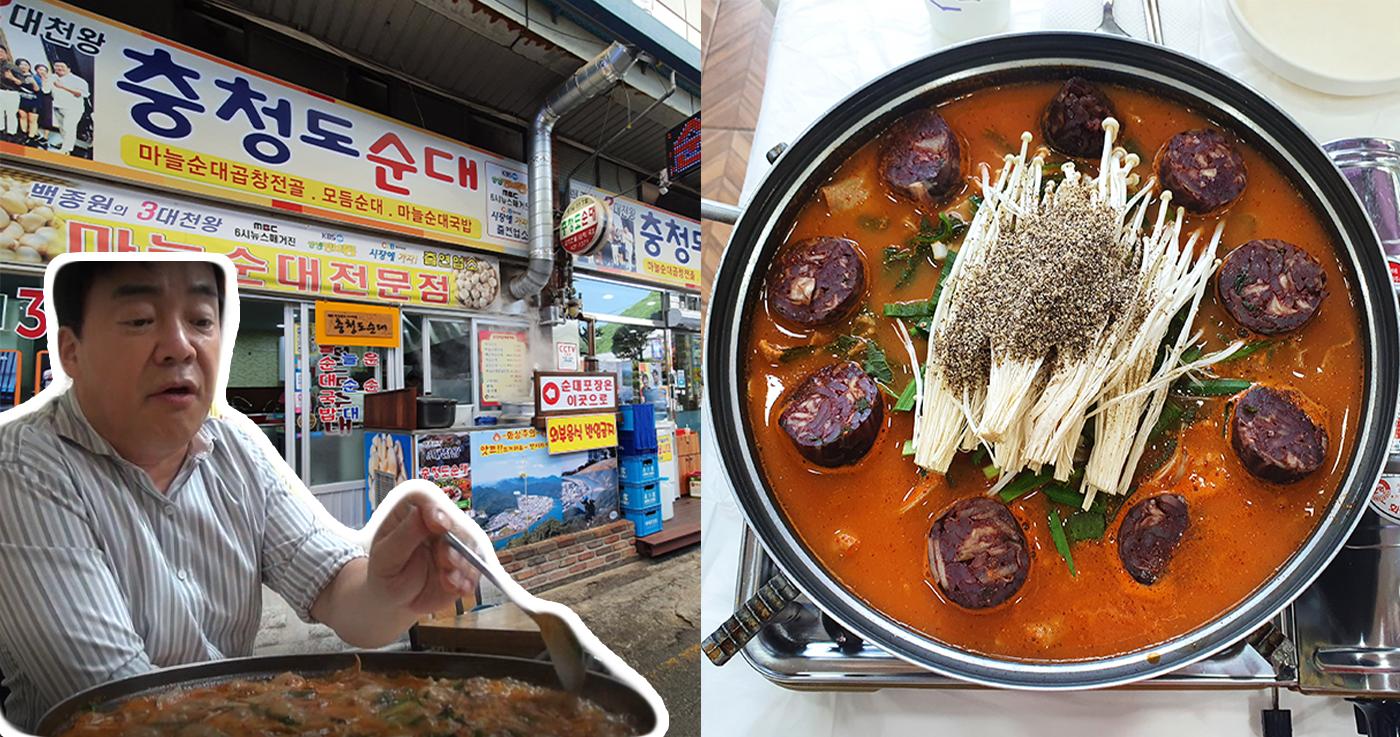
(45, 192)
(318, 135)
(676, 236)
(241, 99)
(349, 386)
(349, 359)
(161, 107)
(651, 233)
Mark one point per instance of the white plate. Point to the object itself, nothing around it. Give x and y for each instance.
(1338, 48)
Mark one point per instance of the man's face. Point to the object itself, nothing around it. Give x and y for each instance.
(60, 69)
(146, 361)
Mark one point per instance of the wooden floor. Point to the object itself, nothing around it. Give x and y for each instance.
(733, 61)
(679, 532)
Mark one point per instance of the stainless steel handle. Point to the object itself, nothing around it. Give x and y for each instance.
(720, 212)
(1357, 659)
(766, 603)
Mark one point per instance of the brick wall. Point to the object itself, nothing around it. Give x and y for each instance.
(571, 556)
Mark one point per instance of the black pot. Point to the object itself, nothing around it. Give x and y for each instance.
(609, 693)
(435, 412)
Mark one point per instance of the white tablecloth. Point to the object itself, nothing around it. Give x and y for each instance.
(821, 51)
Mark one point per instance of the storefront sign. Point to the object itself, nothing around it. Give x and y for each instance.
(164, 114)
(521, 493)
(336, 412)
(348, 323)
(504, 357)
(574, 393)
(1385, 499)
(566, 355)
(445, 460)
(645, 242)
(683, 147)
(582, 226)
(70, 214)
(581, 432)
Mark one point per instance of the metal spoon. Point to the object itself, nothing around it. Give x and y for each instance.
(565, 651)
(1154, 21)
(1109, 25)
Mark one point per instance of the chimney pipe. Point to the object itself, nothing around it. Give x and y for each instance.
(591, 80)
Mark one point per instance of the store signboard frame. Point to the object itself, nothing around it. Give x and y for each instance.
(553, 387)
(355, 324)
(171, 116)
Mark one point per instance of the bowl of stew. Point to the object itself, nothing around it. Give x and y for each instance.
(860, 273)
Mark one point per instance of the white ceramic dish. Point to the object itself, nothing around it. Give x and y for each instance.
(1338, 48)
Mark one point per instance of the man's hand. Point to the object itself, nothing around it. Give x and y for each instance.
(410, 572)
(411, 565)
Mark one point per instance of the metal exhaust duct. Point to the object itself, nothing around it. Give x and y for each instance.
(591, 80)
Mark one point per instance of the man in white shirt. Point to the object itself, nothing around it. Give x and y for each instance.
(137, 531)
(70, 93)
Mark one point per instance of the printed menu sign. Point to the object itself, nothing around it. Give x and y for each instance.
(133, 105)
(503, 354)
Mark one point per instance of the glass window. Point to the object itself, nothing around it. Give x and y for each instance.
(638, 354)
(450, 359)
(613, 298)
(686, 378)
(256, 384)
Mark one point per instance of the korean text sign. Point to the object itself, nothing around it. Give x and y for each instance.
(644, 241)
(165, 114)
(270, 255)
(565, 393)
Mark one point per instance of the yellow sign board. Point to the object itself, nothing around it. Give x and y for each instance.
(571, 433)
(348, 323)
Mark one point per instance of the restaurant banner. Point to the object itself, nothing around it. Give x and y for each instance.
(644, 241)
(130, 104)
(42, 216)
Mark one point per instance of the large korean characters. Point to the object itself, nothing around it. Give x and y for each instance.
(30, 231)
(478, 284)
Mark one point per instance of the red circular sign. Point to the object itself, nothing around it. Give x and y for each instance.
(582, 226)
(550, 393)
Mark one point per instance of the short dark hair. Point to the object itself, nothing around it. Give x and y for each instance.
(73, 283)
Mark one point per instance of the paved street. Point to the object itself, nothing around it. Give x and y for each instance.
(648, 612)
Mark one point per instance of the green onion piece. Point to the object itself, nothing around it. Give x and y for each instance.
(908, 448)
(1249, 349)
(1057, 533)
(974, 203)
(991, 472)
(1213, 387)
(906, 397)
(876, 364)
(1083, 525)
(1172, 412)
(917, 308)
(1191, 355)
(792, 354)
(1063, 495)
(1024, 484)
(895, 254)
(943, 276)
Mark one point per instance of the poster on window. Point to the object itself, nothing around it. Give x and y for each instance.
(644, 241)
(95, 95)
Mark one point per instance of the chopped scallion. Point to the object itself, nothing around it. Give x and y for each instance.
(1213, 387)
(906, 397)
(1057, 533)
(1024, 484)
(991, 472)
(918, 308)
(1249, 349)
(1063, 495)
(908, 448)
